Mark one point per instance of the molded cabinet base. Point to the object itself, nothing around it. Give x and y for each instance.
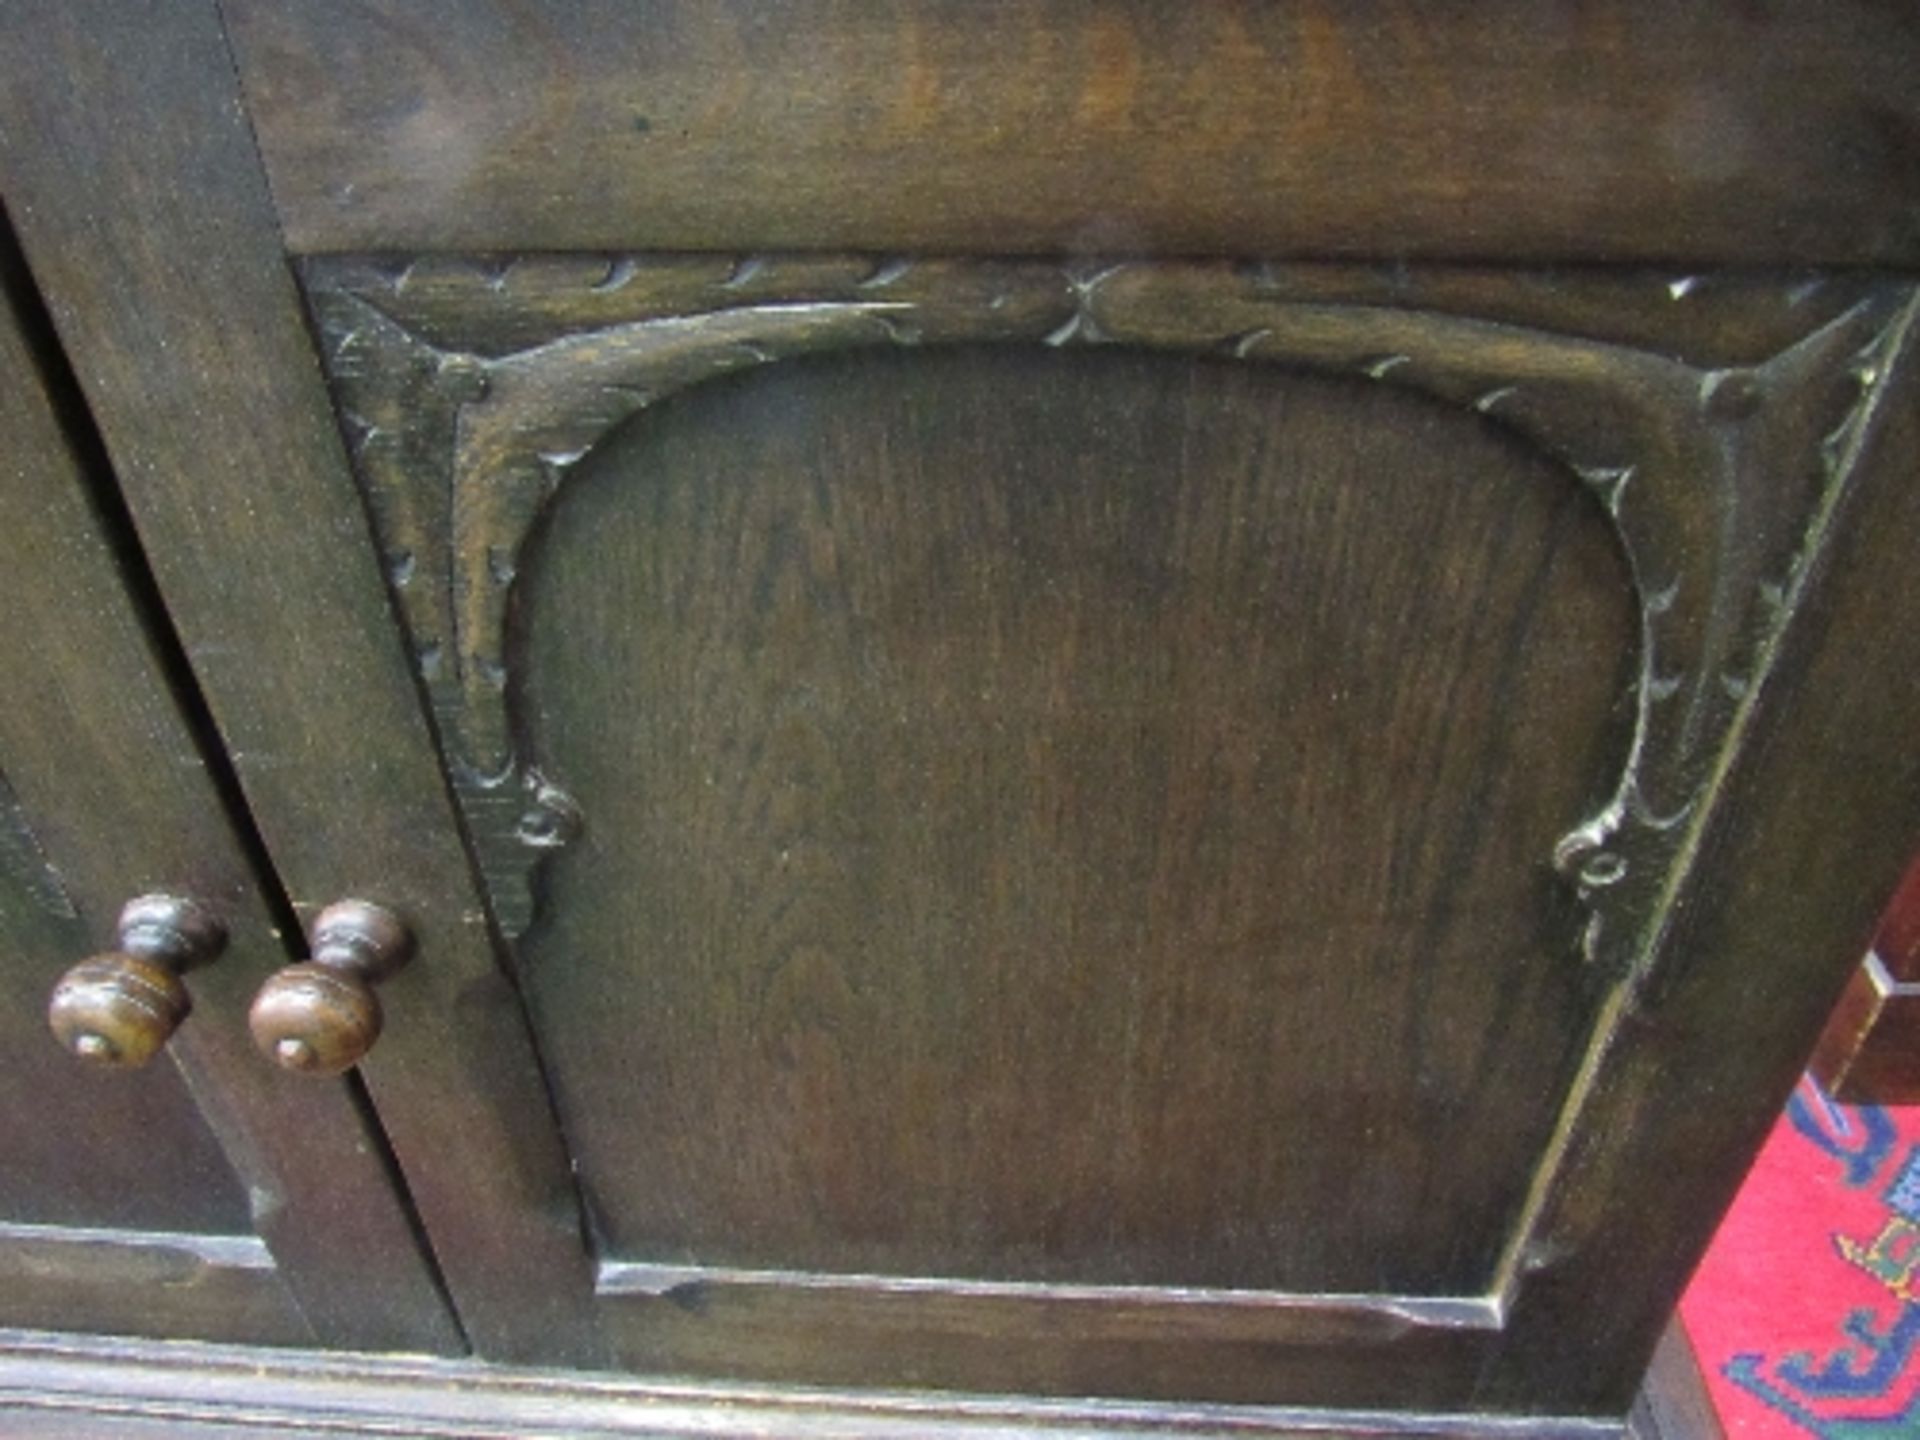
(55, 1385)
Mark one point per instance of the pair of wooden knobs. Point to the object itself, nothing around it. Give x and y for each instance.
(318, 1017)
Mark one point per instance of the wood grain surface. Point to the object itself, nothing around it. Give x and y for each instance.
(111, 796)
(1067, 819)
(204, 384)
(1812, 819)
(479, 390)
(892, 882)
(1522, 129)
(77, 1389)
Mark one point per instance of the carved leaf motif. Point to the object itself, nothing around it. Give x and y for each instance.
(1710, 475)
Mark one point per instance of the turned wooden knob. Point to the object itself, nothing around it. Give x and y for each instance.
(120, 1008)
(320, 1017)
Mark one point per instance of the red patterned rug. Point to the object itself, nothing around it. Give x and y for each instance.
(1806, 1312)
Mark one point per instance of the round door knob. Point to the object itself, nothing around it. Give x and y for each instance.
(321, 1016)
(119, 1008)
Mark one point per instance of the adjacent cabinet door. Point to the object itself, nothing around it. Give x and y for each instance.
(200, 1195)
(1203, 830)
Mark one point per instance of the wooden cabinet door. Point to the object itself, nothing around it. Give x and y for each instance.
(1030, 862)
(1085, 827)
(1192, 830)
(203, 1195)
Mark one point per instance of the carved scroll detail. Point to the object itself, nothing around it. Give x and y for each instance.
(1710, 475)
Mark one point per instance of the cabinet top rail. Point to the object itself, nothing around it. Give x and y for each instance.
(1646, 131)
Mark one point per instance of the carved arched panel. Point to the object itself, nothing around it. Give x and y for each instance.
(1015, 781)
(1704, 456)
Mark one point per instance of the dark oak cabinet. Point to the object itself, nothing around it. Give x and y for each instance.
(205, 1198)
(1129, 719)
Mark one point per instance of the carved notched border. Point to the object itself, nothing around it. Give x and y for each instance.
(466, 421)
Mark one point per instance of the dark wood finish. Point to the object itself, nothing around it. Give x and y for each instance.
(234, 1205)
(150, 1163)
(163, 1284)
(1208, 841)
(1870, 1051)
(987, 849)
(1756, 946)
(1651, 130)
(321, 1017)
(314, 1019)
(996, 840)
(1869, 1054)
(121, 1007)
(711, 677)
(1897, 942)
(1674, 1402)
(79, 1388)
(453, 516)
(1705, 472)
(494, 304)
(117, 1009)
(1897, 939)
(188, 337)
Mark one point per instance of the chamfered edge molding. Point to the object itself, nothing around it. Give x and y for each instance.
(112, 1387)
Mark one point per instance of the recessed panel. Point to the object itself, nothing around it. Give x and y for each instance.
(1066, 817)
